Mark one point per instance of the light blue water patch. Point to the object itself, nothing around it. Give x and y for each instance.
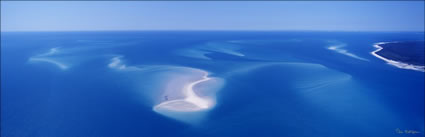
(259, 83)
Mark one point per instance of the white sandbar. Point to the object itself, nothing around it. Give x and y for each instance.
(192, 102)
(340, 50)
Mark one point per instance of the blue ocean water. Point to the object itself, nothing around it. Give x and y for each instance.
(272, 84)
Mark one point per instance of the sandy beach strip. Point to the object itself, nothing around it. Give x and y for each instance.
(395, 63)
(192, 102)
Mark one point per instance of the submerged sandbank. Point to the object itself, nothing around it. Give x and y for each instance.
(191, 101)
(46, 57)
(188, 96)
(339, 49)
(58, 64)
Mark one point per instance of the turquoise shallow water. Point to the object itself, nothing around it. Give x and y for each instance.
(267, 84)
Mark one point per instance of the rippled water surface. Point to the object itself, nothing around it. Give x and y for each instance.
(199, 83)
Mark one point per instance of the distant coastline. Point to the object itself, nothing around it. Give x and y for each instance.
(404, 55)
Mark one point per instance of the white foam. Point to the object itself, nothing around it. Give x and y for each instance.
(393, 62)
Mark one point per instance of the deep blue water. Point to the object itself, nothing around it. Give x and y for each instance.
(275, 84)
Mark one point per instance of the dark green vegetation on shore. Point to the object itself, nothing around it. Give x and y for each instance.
(411, 52)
